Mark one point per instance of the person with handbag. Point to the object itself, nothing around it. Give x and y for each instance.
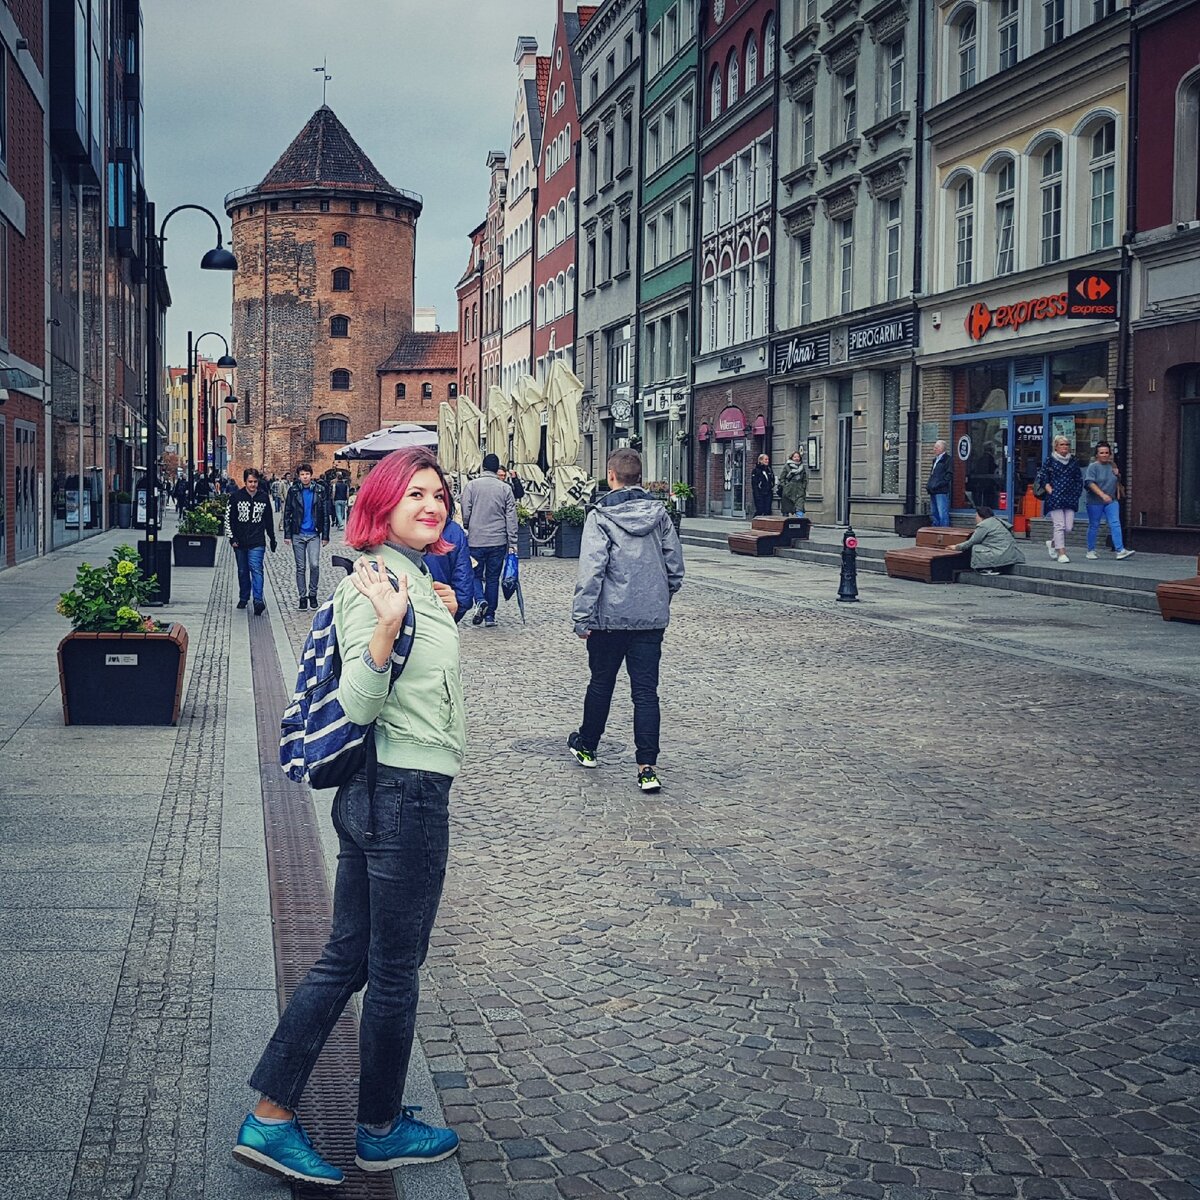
(793, 486)
(1059, 484)
(393, 837)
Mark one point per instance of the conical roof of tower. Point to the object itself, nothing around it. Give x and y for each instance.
(323, 154)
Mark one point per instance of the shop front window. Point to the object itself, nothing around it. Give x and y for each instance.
(1189, 463)
(1079, 375)
(981, 460)
(981, 389)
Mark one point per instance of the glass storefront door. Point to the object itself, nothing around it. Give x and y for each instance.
(735, 479)
(25, 490)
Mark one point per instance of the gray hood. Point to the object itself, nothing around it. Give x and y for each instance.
(632, 510)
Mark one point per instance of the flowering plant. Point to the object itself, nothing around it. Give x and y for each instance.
(208, 517)
(106, 599)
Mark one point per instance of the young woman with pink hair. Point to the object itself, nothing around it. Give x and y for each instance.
(393, 843)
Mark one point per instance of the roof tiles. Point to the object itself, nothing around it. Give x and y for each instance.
(323, 154)
(424, 352)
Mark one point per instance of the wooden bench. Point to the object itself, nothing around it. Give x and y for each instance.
(1179, 599)
(934, 559)
(768, 534)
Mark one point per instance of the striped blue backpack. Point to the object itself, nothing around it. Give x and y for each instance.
(318, 744)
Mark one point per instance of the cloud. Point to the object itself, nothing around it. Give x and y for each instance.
(426, 90)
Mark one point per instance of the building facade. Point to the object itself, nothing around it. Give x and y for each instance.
(848, 254)
(326, 250)
(609, 50)
(556, 258)
(417, 376)
(1163, 461)
(520, 212)
(666, 272)
(1026, 133)
(492, 317)
(738, 74)
(470, 307)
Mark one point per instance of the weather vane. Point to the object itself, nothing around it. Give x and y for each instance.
(323, 69)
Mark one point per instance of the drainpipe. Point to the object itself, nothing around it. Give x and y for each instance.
(1125, 332)
(913, 431)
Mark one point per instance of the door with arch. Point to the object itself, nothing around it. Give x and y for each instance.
(1189, 446)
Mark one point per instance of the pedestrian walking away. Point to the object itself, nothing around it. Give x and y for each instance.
(762, 485)
(630, 567)
(393, 838)
(941, 475)
(793, 486)
(250, 525)
(180, 494)
(1059, 485)
(992, 545)
(1104, 492)
(341, 497)
(489, 513)
(306, 517)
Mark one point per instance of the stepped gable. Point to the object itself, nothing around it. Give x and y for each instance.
(424, 352)
(323, 154)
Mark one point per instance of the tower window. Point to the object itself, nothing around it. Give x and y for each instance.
(339, 327)
(341, 239)
(339, 380)
(332, 429)
(341, 280)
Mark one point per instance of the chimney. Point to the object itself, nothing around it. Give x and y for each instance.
(525, 56)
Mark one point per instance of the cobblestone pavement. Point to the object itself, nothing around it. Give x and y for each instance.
(910, 919)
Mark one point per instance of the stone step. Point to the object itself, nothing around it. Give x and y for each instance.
(1064, 589)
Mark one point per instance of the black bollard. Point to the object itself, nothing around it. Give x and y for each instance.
(848, 584)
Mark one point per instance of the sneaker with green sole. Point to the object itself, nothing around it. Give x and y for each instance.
(648, 780)
(582, 755)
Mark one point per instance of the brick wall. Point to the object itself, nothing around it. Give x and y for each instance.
(26, 168)
(413, 406)
(293, 252)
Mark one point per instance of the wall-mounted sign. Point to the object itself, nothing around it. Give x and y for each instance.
(731, 362)
(964, 447)
(879, 336)
(981, 319)
(1093, 295)
(731, 423)
(798, 353)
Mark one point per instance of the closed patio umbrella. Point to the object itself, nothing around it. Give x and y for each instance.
(447, 429)
(499, 418)
(470, 427)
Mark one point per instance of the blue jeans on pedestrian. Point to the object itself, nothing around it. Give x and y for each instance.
(306, 547)
(339, 513)
(939, 508)
(1110, 512)
(391, 866)
(250, 571)
(641, 651)
(489, 561)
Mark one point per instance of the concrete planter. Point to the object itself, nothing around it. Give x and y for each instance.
(122, 678)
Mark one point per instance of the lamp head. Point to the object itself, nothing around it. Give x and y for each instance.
(218, 259)
(227, 362)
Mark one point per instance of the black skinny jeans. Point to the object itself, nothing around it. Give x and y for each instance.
(391, 866)
(641, 651)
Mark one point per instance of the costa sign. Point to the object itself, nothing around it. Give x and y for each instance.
(982, 319)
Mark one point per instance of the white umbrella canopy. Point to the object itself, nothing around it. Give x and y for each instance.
(382, 442)
(447, 422)
(499, 414)
(528, 404)
(564, 390)
(570, 484)
(470, 426)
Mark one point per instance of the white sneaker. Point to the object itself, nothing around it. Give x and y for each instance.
(1092, 554)
(1126, 553)
(1051, 550)
(1062, 558)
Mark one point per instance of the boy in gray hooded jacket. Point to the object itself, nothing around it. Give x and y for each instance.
(630, 565)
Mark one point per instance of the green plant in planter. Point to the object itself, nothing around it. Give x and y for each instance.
(106, 599)
(683, 491)
(524, 515)
(122, 498)
(207, 518)
(569, 514)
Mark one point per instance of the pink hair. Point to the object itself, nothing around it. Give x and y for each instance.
(384, 488)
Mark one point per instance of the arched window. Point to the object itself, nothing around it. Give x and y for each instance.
(570, 289)
(751, 62)
(731, 79)
(1185, 198)
(571, 212)
(1004, 175)
(769, 47)
(332, 429)
(339, 380)
(542, 235)
(715, 98)
(341, 280)
(1102, 168)
(452, 391)
(1051, 188)
(563, 232)
(541, 306)
(401, 391)
(339, 327)
(966, 50)
(964, 232)
(552, 227)
(427, 391)
(341, 239)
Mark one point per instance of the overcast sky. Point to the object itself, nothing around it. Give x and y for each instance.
(426, 89)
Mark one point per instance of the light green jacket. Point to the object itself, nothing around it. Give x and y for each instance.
(421, 724)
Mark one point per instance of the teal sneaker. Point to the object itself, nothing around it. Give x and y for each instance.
(284, 1150)
(410, 1141)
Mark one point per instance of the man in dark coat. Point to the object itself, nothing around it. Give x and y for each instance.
(938, 485)
(762, 484)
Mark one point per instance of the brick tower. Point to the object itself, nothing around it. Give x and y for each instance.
(326, 249)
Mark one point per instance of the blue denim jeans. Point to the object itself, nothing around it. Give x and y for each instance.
(391, 866)
(641, 651)
(306, 548)
(250, 571)
(939, 508)
(489, 562)
(339, 513)
(1110, 512)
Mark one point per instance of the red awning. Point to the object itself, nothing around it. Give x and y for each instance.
(760, 425)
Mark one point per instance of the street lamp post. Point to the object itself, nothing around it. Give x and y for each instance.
(211, 408)
(226, 363)
(216, 259)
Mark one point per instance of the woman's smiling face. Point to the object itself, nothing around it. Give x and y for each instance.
(418, 520)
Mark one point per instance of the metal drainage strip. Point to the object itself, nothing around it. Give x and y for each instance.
(301, 909)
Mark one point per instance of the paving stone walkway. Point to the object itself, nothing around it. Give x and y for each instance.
(911, 918)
